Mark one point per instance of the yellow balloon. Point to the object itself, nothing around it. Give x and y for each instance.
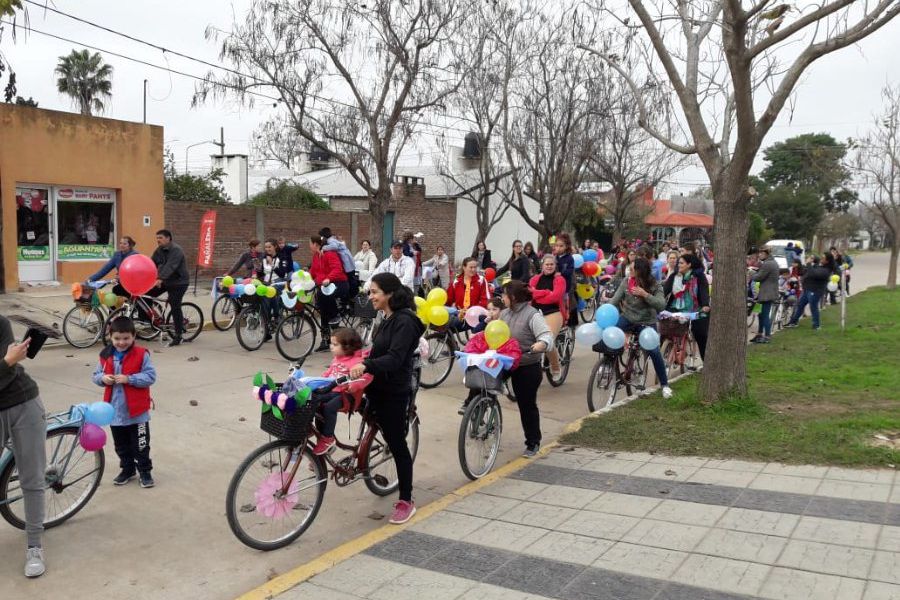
(835, 278)
(422, 313)
(496, 334)
(270, 292)
(438, 315)
(420, 301)
(584, 290)
(437, 297)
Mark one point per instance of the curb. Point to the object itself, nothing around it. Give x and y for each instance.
(349, 549)
(62, 343)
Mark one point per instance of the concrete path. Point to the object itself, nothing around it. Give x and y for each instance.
(582, 524)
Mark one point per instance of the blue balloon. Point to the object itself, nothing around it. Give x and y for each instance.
(581, 304)
(239, 289)
(588, 334)
(100, 414)
(649, 339)
(579, 260)
(296, 266)
(590, 255)
(613, 338)
(607, 316)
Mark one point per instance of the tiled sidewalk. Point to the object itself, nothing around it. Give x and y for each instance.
(589, 525)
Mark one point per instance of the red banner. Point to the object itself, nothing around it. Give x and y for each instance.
(207, 239)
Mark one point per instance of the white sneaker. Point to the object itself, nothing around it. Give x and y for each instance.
(34, 562)
(667, 392)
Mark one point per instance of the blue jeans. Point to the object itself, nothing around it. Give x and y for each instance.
(656, 357)
(812, 299)
(765, 319)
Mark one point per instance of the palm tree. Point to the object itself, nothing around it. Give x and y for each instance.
(85, 78)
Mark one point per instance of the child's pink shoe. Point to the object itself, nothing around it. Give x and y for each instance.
(403, 512)
(324, 445)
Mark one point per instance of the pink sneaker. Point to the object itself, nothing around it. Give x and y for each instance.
(403, 512)
(324, 445)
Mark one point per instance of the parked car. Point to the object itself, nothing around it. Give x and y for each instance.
(779, 250)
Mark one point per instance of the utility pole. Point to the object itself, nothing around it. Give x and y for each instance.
(145, 101)
(221, 142)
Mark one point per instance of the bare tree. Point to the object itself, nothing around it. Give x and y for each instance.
(878, 161)
(352, 78)
(277, 140)
(732, 65)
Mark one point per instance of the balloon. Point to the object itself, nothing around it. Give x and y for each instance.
(256, 282)
(76, 290)
(610, 270)
(420, 301)
(296, 266)
(307, 285)
(490, 274)
(227, 281)
(423, 313)
(835, 278)
(649, 339)
(100, 414)
(261, 290)
(607, 316)
(271, 292)
(588, 334)
(232, 290)
(613, 338)
(603, 263)
(110, 299)
(581, 304)
(329, 289)
(473, 314)
(845, 266)
(250, 289)
(288, 300)
(591, 269)
(245, 281)
(239, 289)
(579, 260)
(92, 437)
(590, 255)
(437, 297)
(584, 290)
(496, 334)
(137, 274)
(304, 297)
(438, 315)
(832, 286)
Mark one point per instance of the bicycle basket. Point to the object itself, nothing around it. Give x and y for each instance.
(673, 328)
(362, 307)
(601, 348)
(295, 426)
(476, 379)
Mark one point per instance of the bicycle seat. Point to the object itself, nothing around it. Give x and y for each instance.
(601, 348)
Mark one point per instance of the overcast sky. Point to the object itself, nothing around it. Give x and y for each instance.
(838, 95)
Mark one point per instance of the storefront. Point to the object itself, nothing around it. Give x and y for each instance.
(78, 185)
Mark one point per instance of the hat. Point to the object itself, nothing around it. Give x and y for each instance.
(396, 244)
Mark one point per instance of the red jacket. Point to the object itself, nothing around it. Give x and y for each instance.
(137, 399)
(555, 296)
(327, 265)
(478, 295)
(478, 345)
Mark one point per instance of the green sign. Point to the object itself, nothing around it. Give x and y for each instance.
(33, 253)
(83, 252)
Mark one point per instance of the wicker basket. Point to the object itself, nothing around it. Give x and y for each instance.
(670, 328)
(476, 379)
(362, 307)
(294, 427)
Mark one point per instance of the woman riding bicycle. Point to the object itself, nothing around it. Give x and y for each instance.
(687, 291)
(126, 249)
(274, 270)
(391, 364)
(518, 266)
(548, 290)
(251, 260)
(640, 298)
(326, 270)
(468, 290)
(528, 327)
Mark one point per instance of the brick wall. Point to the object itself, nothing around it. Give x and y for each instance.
(435, 218)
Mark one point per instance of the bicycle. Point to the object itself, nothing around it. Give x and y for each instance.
(678, 347)
(84, 324)
(565, 346)
(225, 309)
(255, 325)
(443, 344)
(271, 500)
(783, 309)
(297, 331)
(72, 475)
(152, 317)
(614, 371)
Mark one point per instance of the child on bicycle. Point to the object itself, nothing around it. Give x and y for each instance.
(495, 305)
(477, 344)
(346, 350)
(126, 372)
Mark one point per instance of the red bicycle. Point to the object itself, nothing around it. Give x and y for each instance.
(678, 347)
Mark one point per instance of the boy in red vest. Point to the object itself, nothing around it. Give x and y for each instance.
(126, 372)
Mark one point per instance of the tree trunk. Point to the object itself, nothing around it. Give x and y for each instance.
(377, 206)
(892, 268)
(725, 367)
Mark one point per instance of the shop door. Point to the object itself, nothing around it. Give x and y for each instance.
(34, 234)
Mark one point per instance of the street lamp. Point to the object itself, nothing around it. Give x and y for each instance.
(191, 146)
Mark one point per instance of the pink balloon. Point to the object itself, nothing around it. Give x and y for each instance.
(92, 437)
(610, 270)
(473, 313)
(137, 273)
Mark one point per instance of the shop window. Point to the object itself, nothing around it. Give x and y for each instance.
(86, 230)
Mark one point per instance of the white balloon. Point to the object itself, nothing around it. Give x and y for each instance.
(307, 285)
(832, 286)
(250, 289)
(588, 334)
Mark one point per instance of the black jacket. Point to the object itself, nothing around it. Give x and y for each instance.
(391, 360)
(702, 289)
(171, 265)
(520, 269)
(816, 279)
(16, 387)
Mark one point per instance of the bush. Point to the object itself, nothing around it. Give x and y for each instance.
(286, 194)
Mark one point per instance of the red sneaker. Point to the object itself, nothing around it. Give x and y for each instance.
(403, 512)
(324, 445)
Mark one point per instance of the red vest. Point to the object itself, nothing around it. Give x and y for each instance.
(137, 399)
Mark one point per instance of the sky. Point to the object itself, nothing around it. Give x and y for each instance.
(838, 95)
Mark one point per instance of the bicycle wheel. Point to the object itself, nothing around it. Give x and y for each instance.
(192, 318)
(478, 444)
(589, 310)
(72, 476)
(251, 328)
(565, 345)
(441, 356)
(144, 329)
(224, 313)
(275, 494)
(381, 470)
(692, 360)
(602, 385)
(295, 336)
(83, 326)
(641, 371)
(674, 363)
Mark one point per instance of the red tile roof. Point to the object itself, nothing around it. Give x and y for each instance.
(663, 217)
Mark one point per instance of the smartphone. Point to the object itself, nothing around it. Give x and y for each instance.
(37, 338)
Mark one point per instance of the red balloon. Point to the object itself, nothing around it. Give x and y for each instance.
(137, 274)
(590, 268)
(490, 274)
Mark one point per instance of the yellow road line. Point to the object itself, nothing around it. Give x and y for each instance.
(286, 581)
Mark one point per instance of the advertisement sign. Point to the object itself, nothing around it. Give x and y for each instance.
(85, 194)
(207, 239)
(33, 253)
(84, 252)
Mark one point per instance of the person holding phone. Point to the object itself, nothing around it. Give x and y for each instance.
(22, 422)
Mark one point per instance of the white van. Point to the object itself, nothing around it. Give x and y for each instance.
(779, 250)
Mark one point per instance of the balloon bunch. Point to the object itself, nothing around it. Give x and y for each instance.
(96, 416)
(605, 329)
(107, 299)
(302, 284)
(431, 310)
